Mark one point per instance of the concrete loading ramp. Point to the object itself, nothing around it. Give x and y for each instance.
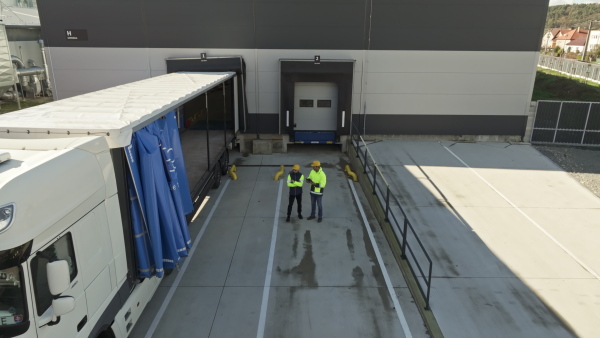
(512, 236)
(325, 278)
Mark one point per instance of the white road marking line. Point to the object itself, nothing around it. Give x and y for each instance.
(260, 333)
(173, 288)
(590, 270)
(388, 282)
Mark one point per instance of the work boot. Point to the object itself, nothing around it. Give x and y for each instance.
(287, 219)
(300, 216)
(310, 217)
(320, 220)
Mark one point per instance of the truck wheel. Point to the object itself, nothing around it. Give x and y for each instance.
(107, 334)
(224, 162)
(217, 176)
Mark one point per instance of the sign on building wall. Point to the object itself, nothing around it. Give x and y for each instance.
(76, 34)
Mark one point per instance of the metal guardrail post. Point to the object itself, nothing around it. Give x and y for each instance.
(428, 289)
(365, 158)
(404, 234)
(387, 205)
(374, 180)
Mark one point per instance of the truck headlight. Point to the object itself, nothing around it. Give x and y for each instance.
(7, 212)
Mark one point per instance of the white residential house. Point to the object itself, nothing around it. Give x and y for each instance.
(548, 38)
(576, 46)
(594, 40)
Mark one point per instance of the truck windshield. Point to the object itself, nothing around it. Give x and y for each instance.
(13, 311)
(12, 302)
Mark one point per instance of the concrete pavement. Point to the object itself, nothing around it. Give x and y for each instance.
(514, 239)
(255, 275)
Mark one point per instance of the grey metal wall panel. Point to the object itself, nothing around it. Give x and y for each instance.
(109, 23)
(310, 25)
(262, 124)
(295, 24)
(442, 124)
(457, 25)
(190, 24)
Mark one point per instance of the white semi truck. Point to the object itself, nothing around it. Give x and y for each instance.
(93, 199)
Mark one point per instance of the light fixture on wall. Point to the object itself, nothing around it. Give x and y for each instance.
(317, 59)
(203, 57)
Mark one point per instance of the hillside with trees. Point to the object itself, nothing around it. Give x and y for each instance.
(573, 16)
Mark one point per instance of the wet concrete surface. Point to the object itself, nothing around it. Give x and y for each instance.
(325, 279)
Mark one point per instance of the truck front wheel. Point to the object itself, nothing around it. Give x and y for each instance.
(224, 162)
(107, 334)
(217, 175)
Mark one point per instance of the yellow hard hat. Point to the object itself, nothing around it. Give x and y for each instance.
(315, 164)
(296, 167)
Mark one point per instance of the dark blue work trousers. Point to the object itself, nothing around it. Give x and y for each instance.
(318, 200)
(298, 198)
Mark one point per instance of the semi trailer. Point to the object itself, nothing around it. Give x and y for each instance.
(96, 193)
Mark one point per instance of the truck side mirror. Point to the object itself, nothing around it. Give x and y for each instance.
(62, 306)
(59, 278)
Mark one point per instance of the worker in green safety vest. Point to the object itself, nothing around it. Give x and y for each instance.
(317, 181)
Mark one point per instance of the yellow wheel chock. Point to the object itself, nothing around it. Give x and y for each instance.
(350, 173)
(232, 173)
(279, 173)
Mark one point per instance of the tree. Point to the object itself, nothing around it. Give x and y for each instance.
(557, 51)
(594, 53)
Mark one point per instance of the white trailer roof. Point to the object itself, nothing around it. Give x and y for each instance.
(114, 113)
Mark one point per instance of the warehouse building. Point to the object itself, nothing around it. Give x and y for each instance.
(311, 71)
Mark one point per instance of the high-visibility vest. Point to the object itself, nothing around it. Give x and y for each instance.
(319, 179)
(294, 181)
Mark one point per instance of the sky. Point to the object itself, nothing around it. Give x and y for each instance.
(572, 2)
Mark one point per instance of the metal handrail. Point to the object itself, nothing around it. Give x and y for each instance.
(400, 227)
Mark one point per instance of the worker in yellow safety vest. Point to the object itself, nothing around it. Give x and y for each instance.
(317, 181)
(294, 181)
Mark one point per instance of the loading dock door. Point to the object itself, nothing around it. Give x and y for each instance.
(315, 112)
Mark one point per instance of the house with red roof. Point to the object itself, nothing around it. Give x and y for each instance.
(571, 40)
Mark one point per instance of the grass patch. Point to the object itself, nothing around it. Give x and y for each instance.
(552, 85)
(8, 106)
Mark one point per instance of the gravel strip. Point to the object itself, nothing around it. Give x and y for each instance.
(583, 164)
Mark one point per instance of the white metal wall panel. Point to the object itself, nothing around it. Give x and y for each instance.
(447, 83)
(99, 58)
(435, 104)
(268, 103)
(451, 61)
(394, 82)
(268, 81)
(69, 82)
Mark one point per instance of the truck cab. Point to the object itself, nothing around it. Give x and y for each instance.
(62, 253)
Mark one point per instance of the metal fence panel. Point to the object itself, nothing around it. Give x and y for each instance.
(571, 67)
(570, 123)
